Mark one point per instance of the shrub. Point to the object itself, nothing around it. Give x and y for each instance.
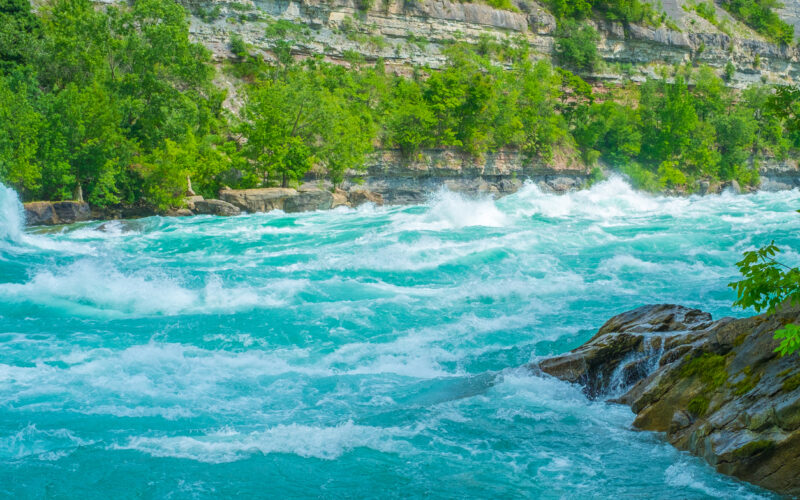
(576, 45)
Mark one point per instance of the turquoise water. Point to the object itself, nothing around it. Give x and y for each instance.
(352, 353)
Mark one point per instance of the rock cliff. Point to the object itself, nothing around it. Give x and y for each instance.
(406, 33)
(715, 388)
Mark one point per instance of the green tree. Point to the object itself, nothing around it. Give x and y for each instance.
(20, 33)
(19, 130)
(766, 284)
(576, 44)
(410, 123)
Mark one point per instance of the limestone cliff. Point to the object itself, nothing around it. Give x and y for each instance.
(715, 388)
(406, 33)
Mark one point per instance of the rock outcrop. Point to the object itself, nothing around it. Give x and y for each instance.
(215, 207)
(405, 34)
(360, 196)
(56, 212)
(289, 200)
(396, 180)
(715, 388)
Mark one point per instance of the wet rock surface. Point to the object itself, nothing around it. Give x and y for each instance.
(715, 388)
(215, 207)
(56, 212)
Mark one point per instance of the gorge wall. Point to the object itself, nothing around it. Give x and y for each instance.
(406, 33)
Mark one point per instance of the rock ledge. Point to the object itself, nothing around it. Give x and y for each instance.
(715, 388)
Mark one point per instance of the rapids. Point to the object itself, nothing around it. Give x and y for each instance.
(370, 352)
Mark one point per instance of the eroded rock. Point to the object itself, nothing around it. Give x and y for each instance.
(215, 207)
(715, 388)
(308, 200)
(360, 196)
(56, 212)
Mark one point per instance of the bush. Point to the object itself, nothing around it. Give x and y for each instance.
(760, 15)
(238, 47)
(576, 45)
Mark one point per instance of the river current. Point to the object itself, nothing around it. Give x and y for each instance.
(369, 353)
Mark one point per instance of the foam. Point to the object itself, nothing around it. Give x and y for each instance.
(229, 445)
(681, 475)
(47, 444)
(13, 237)
(449, 210)
(93, 288)
(12, 216)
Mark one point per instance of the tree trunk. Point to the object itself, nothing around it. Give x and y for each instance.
(78, 194)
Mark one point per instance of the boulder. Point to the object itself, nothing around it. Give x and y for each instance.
(307, 200)
(715, 388)
(58, 212)
(361, 196)
(215, 207)
(191, 200)
(39, 213)
(340, 198)
(257, 200)
(180, 212)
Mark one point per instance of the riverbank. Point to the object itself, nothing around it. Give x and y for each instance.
(392, 179)
(715, 388)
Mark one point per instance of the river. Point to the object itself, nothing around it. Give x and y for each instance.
(370, 352)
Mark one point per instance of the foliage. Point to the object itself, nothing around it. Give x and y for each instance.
(784, 104)
(761, 16)
(765, 285)
(118, 106)
(97, 92)
(238, 45)
(789, 336)
(20, 34)
(300, 118)
(576, 44)
(614, 10)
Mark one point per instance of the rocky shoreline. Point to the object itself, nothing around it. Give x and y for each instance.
(714, 388)
(392, 179)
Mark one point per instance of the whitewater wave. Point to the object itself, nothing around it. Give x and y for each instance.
(229, 445)
(45, 444)
(448, 210)
(89, 287)
(14, 239)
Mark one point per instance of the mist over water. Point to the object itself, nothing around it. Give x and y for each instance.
(365, 352)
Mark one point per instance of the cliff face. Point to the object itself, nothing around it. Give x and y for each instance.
(406, 33)
(400, 180)
(715, 388)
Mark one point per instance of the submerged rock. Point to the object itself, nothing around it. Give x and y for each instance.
(715, 388)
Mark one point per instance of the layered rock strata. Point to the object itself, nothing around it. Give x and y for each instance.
(715, 388)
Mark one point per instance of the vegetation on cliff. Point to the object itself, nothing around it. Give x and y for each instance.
(760, 15)
(118, 105)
